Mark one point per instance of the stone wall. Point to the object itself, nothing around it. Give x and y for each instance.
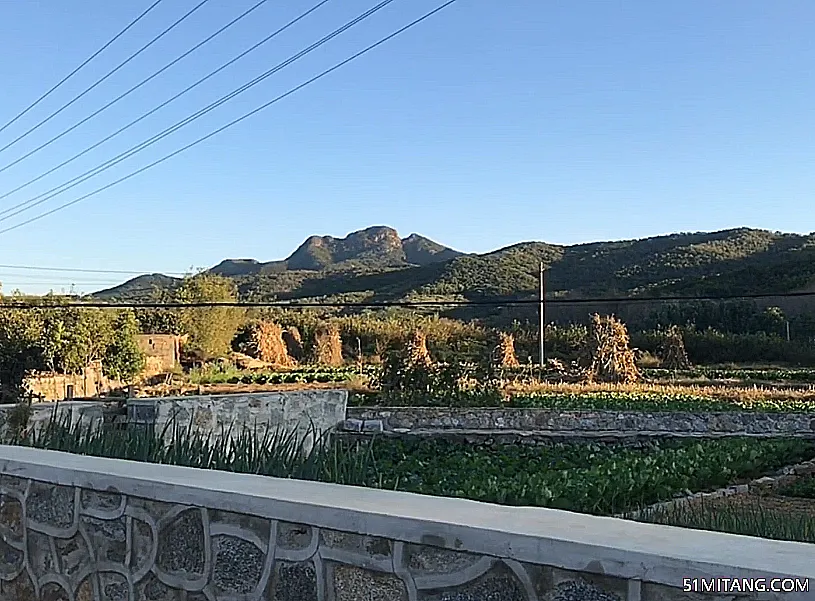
(432, 418)
(162, 352)
(54, 387)
(293, 410)
(93, 413)
(80, 528)
(290, 410)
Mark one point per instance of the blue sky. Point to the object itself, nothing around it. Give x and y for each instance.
(490, 124)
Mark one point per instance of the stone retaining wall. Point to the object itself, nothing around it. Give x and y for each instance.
(87, 413)
(83, 528)
(298, 410)
(290, 410)
(758, 486)
(432, 418)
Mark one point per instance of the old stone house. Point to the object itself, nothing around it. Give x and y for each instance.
(51, 386)
(162, 352)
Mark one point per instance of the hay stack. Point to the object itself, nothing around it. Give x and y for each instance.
(267, 344)
(417, 353)
(505, 351)
(672, 350)
(294, 343)
(607, 356)
(328, 346)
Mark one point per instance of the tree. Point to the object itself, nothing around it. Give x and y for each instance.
(89, 333)
(159, 321)
(20, 351)
(210, 329)
(123, 358)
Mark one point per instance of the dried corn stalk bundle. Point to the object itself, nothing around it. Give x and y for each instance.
(607, 356)
(672, 350)
(267, 343)
(505, 351)
(417, 353)
(328, 346)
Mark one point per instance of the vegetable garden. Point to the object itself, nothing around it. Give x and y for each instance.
(597, 479)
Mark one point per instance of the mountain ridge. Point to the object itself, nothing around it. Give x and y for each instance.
(375, 263)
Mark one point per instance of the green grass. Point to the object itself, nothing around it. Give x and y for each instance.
(747, 518)
(575, 476)
(646, 401)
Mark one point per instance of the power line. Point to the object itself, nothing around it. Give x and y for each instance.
(404, 304)
(17, 284)
(243, 15)
(139, 147)
(186, 90)
(79, 68)
(65, 269)
(48, 195)
(105, 77)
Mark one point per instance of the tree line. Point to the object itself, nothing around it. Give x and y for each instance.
(67, 339)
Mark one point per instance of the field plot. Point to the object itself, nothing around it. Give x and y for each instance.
(785, 514)
(591, 478)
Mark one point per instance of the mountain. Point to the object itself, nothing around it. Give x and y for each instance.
(140, 287)
(377, 248)
(374, 247)
(376, 264)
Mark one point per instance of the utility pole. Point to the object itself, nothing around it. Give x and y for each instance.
(788, 331)
(542, 333)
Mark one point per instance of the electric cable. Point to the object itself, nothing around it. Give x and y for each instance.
(124, 95)
(79, 270)
(48, 195)
(252, 48)
(105, 77)
(11, 304)
(84, 63)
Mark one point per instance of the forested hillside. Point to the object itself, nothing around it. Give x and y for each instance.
(375, 264)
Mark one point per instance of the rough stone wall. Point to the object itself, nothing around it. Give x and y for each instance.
(61, 543)
(425, 418)
(291, 410)
(84, 412)
(161, 351)
(54, 387)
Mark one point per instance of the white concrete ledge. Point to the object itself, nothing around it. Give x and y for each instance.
(573, 541)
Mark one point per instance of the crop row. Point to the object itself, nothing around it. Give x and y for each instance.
(292, 377)
(606, 401)
(645, 401)
(751, 516)
(766, 375)
(299, 375)
(580, 477)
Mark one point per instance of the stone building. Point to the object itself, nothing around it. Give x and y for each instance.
(162, 352)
